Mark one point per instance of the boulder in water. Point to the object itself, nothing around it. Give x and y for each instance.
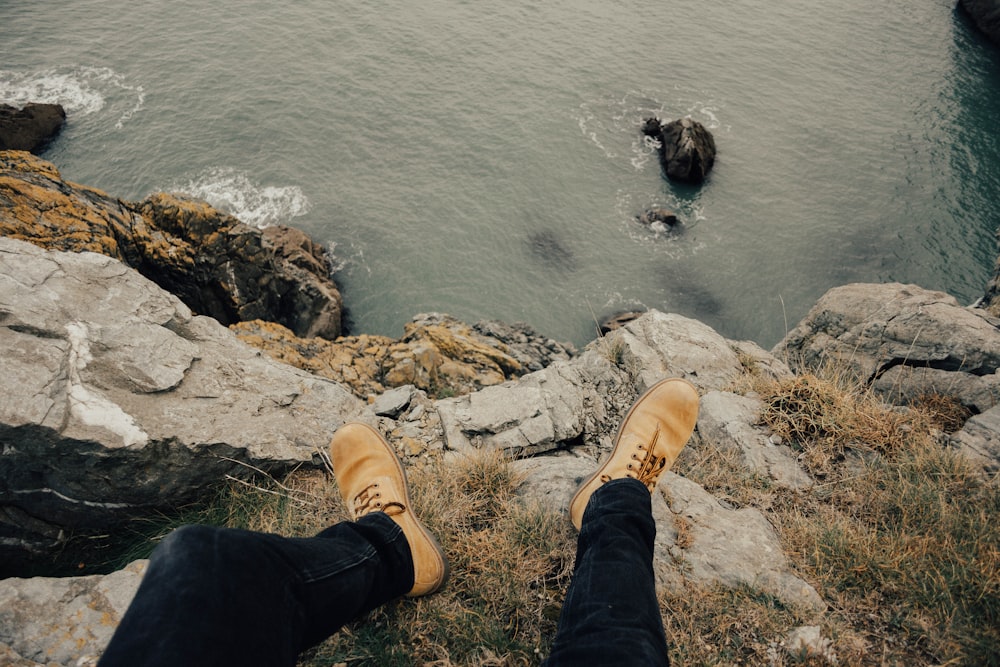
(30, 128)
(687, 148)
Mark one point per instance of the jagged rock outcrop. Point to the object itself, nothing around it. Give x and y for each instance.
(986, 14)
(217, 265)
(904, 341)
(728, 422)
(687, 148)
(118, 402)
(580, 402)
(30, 128)
(437, 354)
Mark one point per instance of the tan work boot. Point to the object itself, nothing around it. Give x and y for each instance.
(371, 479)
(651, 436)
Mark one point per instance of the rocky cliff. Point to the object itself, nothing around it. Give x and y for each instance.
(214, 263)
(120, 402)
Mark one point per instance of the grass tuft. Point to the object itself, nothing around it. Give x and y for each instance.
(901, 535)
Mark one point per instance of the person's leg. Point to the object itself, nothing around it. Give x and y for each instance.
(218, 596)
(611, 615)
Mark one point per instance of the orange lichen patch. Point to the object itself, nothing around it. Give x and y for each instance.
(27, 162)
(355, 361)
(188, 218)
(458, 343)
(440, 359)
(36, 206)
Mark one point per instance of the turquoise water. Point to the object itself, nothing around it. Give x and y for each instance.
(486, 160)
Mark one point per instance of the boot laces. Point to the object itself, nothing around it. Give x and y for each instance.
(370, 500)
(645, 465)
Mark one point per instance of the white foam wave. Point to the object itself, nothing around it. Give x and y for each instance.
(616, 301)
(81, 91)
(232, 191)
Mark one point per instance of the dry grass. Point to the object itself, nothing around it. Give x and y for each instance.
(725, 626)
(900, 535)
(510, 565)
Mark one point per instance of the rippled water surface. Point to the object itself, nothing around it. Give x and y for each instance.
(485, 159)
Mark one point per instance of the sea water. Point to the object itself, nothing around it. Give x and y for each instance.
(486, 159)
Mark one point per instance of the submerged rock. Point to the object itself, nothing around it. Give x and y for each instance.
(30, 128)
(659, 219)
(217, 265)
(986, 14)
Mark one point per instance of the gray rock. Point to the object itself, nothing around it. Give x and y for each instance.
(807, 642)
(551, 481)
(731, 547)
(728, 422)
(580, 402)
(536, 414)
(659, 345)
(10, 658)
(903, 384)
(873, 329)
(719, 545)
(119, 403)
(63, 621)
(394, 401)
(979, 440)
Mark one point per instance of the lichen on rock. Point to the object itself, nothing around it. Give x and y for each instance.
(213, 262)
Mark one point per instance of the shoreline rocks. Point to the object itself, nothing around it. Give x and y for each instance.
(217, 265)
(122, 402)
(30, 128)
(903, 341)
(437, 354)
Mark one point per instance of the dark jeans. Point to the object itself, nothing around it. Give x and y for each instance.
(218, 596)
